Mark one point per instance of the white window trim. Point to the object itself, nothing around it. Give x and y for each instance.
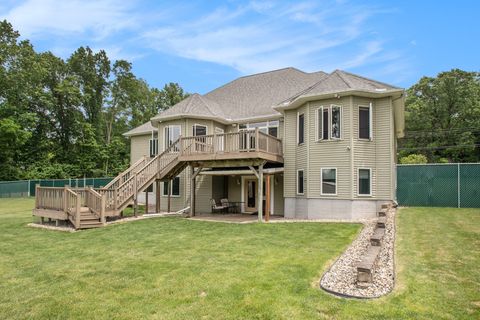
(150, 145)
(296, 181)
(171, 189)
(330, 137)
(321, 181)
(358, 182)
(298, 128)
(165, 137)
(370, 120)
(319, 122)
(199, 125)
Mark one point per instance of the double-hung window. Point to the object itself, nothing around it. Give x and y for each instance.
(300, 128)
(154, 144)
(329, 122)
(172, 133)
(329, 181)
(174, 188)
(365, 122)
(364, 182)
(300, 182)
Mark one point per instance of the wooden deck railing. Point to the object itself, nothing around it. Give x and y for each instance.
(50, 198)
(125, 175)
(242, 141)
(72, 206)
(96, 202)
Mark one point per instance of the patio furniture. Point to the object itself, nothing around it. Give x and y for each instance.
(218, 208)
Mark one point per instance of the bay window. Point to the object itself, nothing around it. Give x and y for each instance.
(329, 122)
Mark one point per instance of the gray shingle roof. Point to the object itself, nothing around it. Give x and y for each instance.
(255, 96)
(246, 97)
(142, 129)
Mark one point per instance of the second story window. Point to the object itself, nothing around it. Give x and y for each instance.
(270, 127)
(365, 122)
(329, 122)
(154, 144)
(301, 128)
(172, 133)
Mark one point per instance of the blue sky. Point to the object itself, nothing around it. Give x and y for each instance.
(204, 44)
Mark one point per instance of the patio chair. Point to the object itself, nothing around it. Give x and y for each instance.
(216, 207)
(225, 203)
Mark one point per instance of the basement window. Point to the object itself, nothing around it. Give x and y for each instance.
(174, 188)
(329, 181)
(300, 182)
(364, 182)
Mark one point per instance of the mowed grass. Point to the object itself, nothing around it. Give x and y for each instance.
(173, 268)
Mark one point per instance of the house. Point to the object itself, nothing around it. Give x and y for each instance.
(286, 142)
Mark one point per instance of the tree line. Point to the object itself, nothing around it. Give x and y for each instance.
(65, 118)
(442, 120)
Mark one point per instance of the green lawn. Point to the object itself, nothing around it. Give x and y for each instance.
(173, 268)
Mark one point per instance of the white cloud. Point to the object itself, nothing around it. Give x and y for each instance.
(300, 34)
(98, 18)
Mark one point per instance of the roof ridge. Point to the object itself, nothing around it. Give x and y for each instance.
(206, 104)
(339, 73)
(298, 94)
(368, 79)
(254, 74)
(190, 101)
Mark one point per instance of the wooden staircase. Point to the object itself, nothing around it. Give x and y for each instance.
(88, 219)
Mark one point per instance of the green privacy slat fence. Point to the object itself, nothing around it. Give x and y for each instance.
(439, 185)
(25, 188)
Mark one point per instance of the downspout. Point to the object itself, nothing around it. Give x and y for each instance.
(352, 151)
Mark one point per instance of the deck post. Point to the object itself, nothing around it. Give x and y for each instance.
(36, 195)
(169, 194)
(65, 198)
(192, 191)
(267, 198)
(260, 193)
(157, 196)
(103, 208)
(146, 200)
(135, 194)
(256, 140)
(77, 211)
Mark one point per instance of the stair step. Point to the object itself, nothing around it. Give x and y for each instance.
(90, 226)
(381, 222)
(84, 209)
(366, 267)
(382, 213)
(88, 222)
(376, 238)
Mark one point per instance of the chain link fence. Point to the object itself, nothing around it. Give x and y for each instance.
(439, 185)
(26, 188)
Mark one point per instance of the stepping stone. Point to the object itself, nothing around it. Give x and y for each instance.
(381, 222)
(382, 213)
(376, 238)
(365, 268)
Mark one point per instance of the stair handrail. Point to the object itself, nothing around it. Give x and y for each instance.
(73, 203)
(124, 173)
(96, 203)
(129, 184)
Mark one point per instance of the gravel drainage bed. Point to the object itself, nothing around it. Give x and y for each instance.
(341, 278)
